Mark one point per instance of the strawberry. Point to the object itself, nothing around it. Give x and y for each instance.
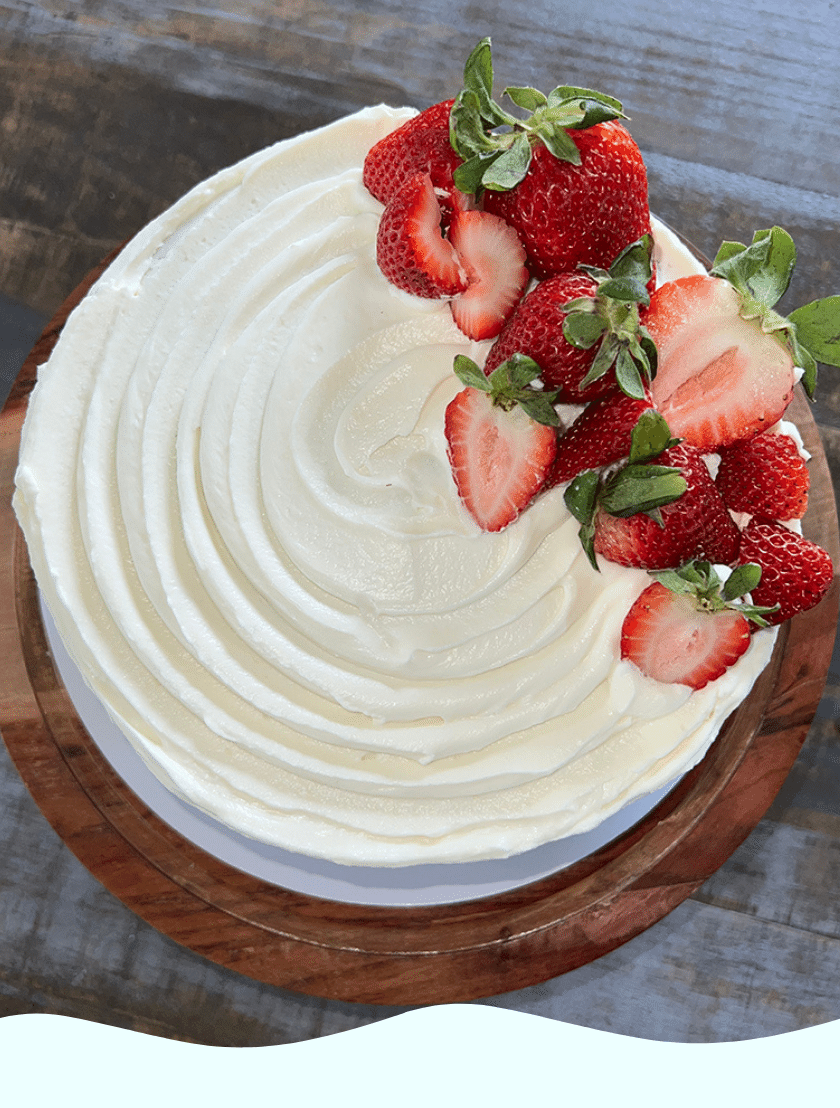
(580, 326)
(499, 453)
(726, 357)
(675, 638)
(764, 476)
(694, 525)
(410, 249)
(600, 436)
(568, 214)
(421, 145)
(795, 573)
(720, 377)
(494, 262)
(568, 176)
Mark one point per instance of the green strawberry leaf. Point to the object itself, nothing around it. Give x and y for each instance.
(593, 107)
(479, 126)
(581, 497)
(818, 329)
(540, 409)
(528, 98)
(762, 270)
(642, 488)
(627, 375)
(520, 369)
(650, 437)
(742, 580)
(469, 374)
(556, 140)
(582, 329)
(627, 289)
(509, 167)
(469, 174)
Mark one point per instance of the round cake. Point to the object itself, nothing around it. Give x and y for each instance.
(236, 493)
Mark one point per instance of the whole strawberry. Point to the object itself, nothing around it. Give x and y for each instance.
(421, 145)
(569, 214)
(795, 572)
(660, 510)
(583, 329)
(764, 476)
(568, 176)
(599, 437)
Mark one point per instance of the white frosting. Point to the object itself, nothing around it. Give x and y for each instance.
(234, 488)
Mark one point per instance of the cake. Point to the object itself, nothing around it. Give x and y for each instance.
(237, 496)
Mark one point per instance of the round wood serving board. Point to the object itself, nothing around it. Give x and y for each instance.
(403, 956)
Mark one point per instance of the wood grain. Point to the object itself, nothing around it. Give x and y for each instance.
(387, 955)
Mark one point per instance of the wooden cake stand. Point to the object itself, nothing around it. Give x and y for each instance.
(418, 955)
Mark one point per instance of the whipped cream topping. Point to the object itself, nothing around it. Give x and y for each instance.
(234, 487)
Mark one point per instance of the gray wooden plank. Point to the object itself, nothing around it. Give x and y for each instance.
(703, 974)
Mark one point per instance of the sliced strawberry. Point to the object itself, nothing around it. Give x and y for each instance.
(720, 377)
(410, 249)
(672, 638)
(600, 436)
(498, 452)
(569, 214)
(419, 146)
(764, 476)
(795, 573)
(494, 261)
(697, 525)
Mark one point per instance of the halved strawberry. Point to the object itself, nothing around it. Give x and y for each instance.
(720, 377)
(600, 436)
(764, 476)
(494, 262)
(695, 525)
(499, 454)
(672, 637)
(795, 572)
(421, 145)
(410, 249)
(583, 328)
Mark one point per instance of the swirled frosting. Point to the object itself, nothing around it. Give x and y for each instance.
(234, 487)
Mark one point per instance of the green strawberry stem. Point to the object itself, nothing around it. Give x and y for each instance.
(611, 318)
(509, 385)
(496, 145)
(700, 580)
(636, 487)
(761, 273)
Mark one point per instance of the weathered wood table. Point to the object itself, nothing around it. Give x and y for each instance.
(109, 111)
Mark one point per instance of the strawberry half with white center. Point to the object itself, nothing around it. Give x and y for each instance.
(660, 510)
(795, 572)
(568, 176)
(726, 358)
(410, 249)
(421, 145)
(583, 329)
(493, 260)
(686, 628)
(501, 440)
(765, 476)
